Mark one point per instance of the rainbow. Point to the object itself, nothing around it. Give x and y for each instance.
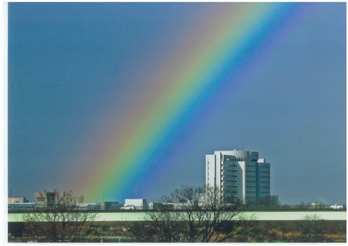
(224, 39)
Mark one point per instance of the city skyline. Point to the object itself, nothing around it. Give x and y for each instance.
(124, 100)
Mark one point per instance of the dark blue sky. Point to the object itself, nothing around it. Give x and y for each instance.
(65, 58)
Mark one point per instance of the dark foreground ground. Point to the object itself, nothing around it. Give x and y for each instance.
(251, 231)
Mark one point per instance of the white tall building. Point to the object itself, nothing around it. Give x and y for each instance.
(238, 174)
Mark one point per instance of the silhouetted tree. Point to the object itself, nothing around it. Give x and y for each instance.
(60, 222)
(199, 216)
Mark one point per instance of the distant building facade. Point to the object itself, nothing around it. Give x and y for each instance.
(336, 206)
(16, 199)
(46, 198)
(89, 206)
(238, 175)
(263, 182)
(135, 204)
(19, 203)
(111, 205)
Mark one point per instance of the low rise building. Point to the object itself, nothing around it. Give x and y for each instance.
(136, 204)
(16, 199)
(89, 206)
(46, 198)
(111, 205)
(336, 206)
